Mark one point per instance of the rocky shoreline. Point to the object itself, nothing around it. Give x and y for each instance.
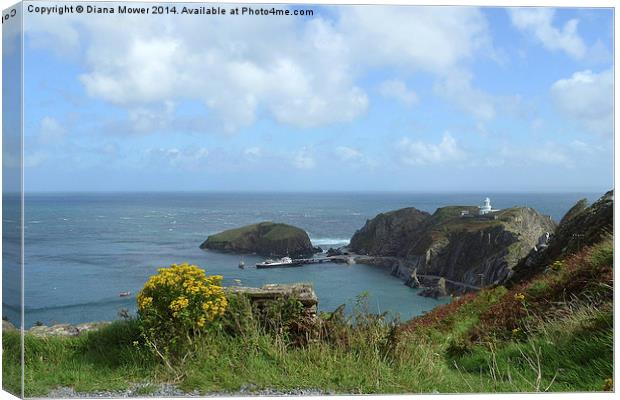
(455, 250)
(432, 286)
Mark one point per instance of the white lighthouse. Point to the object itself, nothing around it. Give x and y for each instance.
(486, 207)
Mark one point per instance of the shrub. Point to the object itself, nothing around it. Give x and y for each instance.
(538, 289)
(239, 319)
(458, 347)
(176, 306)
(602, 255)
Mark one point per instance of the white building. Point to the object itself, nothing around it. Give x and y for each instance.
(486, 207)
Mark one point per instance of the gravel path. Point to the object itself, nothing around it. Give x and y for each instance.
(168, 390)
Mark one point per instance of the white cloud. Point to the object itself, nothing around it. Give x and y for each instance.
(304, 159)
(432, 39)
(355, 157)
(297, 76)
(458, 87)
(547, 154)
(300, 74)
(51, 131)
(188, 158)
(436, 40)
(150, 67)
(586, 148)
(587, 98)
(148, 119)
(419, 152)
(398, 89)
(538, 22)
(346, 153)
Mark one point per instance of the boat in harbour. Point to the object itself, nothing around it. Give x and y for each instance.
(282, 262)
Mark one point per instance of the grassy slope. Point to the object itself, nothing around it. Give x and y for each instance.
(233, 234)
(276, 232)
(563, 342)
(283, 231)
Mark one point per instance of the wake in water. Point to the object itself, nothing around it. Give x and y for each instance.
(329, 241)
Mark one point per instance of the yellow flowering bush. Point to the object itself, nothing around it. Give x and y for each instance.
(178, 304)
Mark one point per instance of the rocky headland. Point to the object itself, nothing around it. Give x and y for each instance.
(454, 250)
(583, 225)
(267, 239)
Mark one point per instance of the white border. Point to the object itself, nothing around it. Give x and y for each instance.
(483, 3)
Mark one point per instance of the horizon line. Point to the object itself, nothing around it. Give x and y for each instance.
(355, 191)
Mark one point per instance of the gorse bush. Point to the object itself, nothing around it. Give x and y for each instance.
(176, 306)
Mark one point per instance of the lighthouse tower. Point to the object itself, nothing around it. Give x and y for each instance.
(486, 207)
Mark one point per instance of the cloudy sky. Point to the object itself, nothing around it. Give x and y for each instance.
(351, 98)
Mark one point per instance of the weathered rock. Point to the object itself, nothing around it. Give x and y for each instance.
(7, 326)
(388, 233)
(54, 330)
(66, 329)
(472, 250)
(331, 252)
(265, 238)
(303, 292)
(413, 280)
(581, 226)
(435, 291)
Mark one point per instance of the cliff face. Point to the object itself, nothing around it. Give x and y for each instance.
(265, 238)
(472, 251)
(582, 226)
(388, 233)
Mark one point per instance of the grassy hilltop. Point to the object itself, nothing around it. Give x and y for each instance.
(265, 238)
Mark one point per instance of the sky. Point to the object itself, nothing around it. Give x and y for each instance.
(352, 98)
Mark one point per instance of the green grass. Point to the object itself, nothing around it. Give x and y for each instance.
(578, 358)
(283, 231)
(11, 362)
(564, 343)
(232, 234)
(101, 360)
(450, 212)
(275, 231)
(573, 355)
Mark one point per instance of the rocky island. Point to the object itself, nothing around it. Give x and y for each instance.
(267, 239)
(456, 249)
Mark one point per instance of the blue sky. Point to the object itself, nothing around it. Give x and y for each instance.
(352, 98)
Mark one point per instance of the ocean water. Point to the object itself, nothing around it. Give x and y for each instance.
(83, 249)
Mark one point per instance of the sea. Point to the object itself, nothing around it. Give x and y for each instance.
(83, 249)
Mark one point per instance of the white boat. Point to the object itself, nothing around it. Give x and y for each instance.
(283, 262)
(241, 263)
